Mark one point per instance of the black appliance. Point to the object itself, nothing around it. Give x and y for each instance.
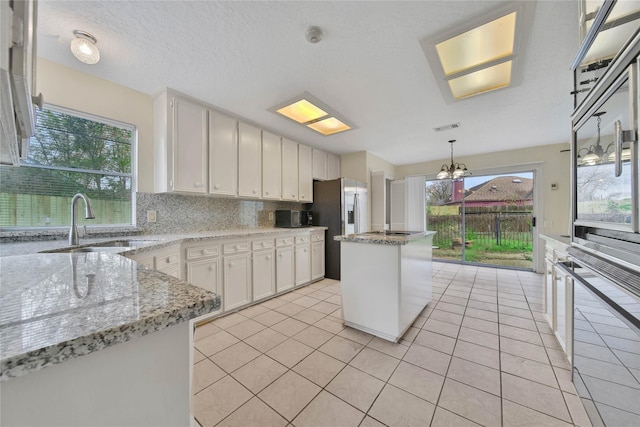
(341, 206)
(288, 218)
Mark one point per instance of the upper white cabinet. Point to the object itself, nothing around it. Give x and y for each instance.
(333, 166)
(249, 161)
(379, 217)
(289, 170)
(223, 154)
(271, 166)
(181, 140)
(305, 177)
(319, 164)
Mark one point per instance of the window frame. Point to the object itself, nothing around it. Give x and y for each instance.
(134, 166)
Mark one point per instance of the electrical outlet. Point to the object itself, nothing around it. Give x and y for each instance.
(151, 216)
(270, 216)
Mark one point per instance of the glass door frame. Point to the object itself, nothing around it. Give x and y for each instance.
(537, 169)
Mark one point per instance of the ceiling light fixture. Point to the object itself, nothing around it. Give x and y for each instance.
(308, 111)
(84, 47)
(482, 54)
(454, 170)
(595, 153)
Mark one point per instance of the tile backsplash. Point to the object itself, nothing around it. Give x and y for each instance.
(176, 213)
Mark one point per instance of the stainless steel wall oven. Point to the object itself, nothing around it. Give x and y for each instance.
(605, 167)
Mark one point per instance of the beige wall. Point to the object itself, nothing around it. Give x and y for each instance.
(69, 88)
(554, 166)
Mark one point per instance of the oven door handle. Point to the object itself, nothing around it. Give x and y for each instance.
(622, 136)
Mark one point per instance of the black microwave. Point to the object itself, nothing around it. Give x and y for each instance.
(293, 218)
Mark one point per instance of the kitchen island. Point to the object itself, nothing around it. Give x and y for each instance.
(95, 339)
(386, 280)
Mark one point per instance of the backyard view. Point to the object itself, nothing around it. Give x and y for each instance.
(69, 155)
(485, 220)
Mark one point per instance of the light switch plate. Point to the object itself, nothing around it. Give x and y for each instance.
(270, 216)
(151, 216)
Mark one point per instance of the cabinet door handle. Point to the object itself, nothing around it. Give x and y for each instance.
(230, 264)
(215, 187)
(211, 267)
(268, 257)
(237, 247)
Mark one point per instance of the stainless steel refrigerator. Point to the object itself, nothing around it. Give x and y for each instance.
(341, 205)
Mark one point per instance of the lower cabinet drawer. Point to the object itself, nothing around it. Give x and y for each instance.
(235, 248)
(195, 252)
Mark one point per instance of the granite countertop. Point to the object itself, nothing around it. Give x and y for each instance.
(56, 306)
(562, 238)
(381, 238)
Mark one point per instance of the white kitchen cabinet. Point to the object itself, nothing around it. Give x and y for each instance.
(264, 274)
(397, 205)
(549, 291)
(203, 266)
(223, 154)
(303, 259)
(564, 310)
(271, 166)
(249, 161)
(333, 166)
(319, 164)
(289, 170)
(180, 144)
(317, 256)
(285, 267)
(166, 260)
(237, 275)
(379, 217)
(305, 177)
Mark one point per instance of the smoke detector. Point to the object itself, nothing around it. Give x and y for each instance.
(313, 34)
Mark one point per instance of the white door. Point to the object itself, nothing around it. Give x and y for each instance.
(305, 178)
(223, 154)
(264, 274)
(303, 264)
(190, 140)
(285, 272)
(289, 170)
(237, 281)
(271, 166)
(249, 161)
(317, 260)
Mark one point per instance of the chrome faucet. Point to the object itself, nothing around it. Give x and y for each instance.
(88, 214)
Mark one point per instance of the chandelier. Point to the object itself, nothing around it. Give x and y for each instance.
(454, 170)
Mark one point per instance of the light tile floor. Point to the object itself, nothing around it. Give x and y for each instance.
(479, 354)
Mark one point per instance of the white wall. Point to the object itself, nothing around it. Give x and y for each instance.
(70, 88)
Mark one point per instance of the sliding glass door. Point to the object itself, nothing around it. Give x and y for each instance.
(483, 219)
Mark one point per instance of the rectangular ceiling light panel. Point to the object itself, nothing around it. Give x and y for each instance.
(329, 126)
(302, 111)
(481, 54)
(489, 42)
(481, 81)
(310, 112)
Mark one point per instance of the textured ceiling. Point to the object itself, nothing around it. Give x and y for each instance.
(245, 57)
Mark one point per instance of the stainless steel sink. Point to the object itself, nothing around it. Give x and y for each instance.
(95, 249)
(125, 243)
(110, 246)
(392, 233)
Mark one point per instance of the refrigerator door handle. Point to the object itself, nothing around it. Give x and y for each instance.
(356, 213)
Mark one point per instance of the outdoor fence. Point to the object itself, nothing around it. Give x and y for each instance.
(489, 228)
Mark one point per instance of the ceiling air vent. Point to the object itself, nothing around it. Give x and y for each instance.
(447, 127)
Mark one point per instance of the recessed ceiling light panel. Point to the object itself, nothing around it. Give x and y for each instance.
(312, 113)
(482, 54)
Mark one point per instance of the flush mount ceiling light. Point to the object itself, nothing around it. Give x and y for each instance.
(454, 170)
(308, 111)
(84, 47)
(482, 55)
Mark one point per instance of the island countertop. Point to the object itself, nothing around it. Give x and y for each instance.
(387, 237)
(55, 307)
